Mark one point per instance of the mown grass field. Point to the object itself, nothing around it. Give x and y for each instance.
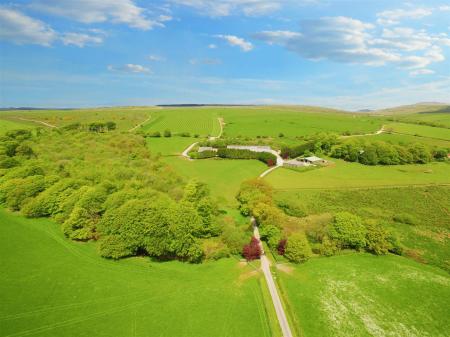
(365, 295)
(344, 174)
(53, 287)
(171, 146)
(420, 130)
(201, 121)
(253, 122)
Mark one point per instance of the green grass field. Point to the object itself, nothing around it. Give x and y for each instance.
(437, 118)
(344, 175)
(6, 125)
(126, 118)
(365, 295)
(420, 130)
(224, 177)
(201, 121)
(169, 146)
(395, 138)
(253, 122)
(53, 287)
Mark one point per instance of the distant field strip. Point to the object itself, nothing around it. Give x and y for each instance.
(195, 121)
(420, 130)
(354, 175)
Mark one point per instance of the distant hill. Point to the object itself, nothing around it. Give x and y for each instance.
(425, 107)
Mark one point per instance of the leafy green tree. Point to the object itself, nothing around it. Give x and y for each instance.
(348, 231)
(297, 248)
(377, 239)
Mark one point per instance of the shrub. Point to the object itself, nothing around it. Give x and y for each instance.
(167, 133)
(155, 134)
(113, 247)
(8, 162)
(348, 231)
(328, 247)
(185, 134)
(281, 247)
(297, 248)
(252, 251)
(377, 239)
(214, 249)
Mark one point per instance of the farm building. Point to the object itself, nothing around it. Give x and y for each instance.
(206, 148)
(253, 148)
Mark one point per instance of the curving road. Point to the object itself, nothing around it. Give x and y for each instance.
(265, 266)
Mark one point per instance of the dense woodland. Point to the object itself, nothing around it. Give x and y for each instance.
(107, 187)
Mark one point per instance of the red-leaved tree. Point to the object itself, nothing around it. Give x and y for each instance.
(282, 246)
(252, 251)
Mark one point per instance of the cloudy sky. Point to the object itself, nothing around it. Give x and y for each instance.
(338, 53)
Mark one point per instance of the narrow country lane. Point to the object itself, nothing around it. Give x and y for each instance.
(265, 266)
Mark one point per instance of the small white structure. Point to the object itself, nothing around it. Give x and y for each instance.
(313, 160)
(206, 148)
(252, 148)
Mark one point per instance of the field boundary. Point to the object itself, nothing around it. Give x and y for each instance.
(140, 124)
(359, 187)
(37, 121)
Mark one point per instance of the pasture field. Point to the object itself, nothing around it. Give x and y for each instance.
(224, 177)
(426, 238)
(343, 174)
(395, 138)
(365, 295)
(170, 146)
(53, 287)
(420, 130)
(125, 118)
(201, 121)
(438, 118)
(253, 122)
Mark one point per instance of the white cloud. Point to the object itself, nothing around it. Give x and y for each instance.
(19, 28)
(421, 72)
(444, 8)
(393, 17)
(80, 39)
(212, 46)
(346, 40)
(130, 68)
(156, 58)
(94, 11)
(216, 8)
(236, 41)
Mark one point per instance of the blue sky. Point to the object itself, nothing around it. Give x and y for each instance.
(337, 53)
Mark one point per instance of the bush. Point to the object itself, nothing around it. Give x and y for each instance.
(377, 239)
(113, 247)
(266, 157)
(184, 134)
(297, 248)
(8, 162)
(215, 249)
(155, 134)
(281, 247)
(167, 133)
(348, 231)
(328, 247)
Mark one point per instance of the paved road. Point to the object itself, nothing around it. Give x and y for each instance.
(265, 266)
